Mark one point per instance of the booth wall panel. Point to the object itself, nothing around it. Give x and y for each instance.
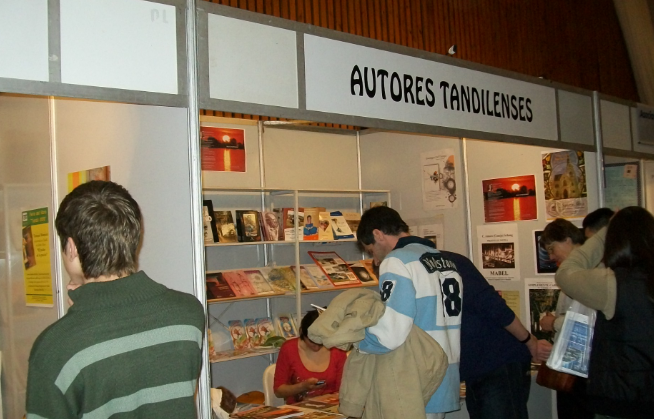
(24, 185)
(392, 161)
(576, 118)
(24, 35)
(576, 43)
(616, 125)
(635, 134)
(147, 150)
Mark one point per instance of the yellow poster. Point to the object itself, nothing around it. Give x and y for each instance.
(512, 299)
(36, 258)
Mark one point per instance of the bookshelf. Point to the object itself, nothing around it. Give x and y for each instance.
(266, 253)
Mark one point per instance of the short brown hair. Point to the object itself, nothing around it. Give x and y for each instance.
(559, 230)
(104, 221)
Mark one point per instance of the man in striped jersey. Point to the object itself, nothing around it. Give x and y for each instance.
(127, 346)
(424, 286)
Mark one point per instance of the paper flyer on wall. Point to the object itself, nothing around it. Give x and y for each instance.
(510, 199)
(512, 299)
(497, 251)
(542, 296)
(222, 149)
(36, 258)
(622, 185)
(564, 181)
(430, 228)
(438, 179)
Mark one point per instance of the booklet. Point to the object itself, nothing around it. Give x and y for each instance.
(336, 269)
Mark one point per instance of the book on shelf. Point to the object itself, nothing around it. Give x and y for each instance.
(372, 269)
(266, 328)
(254, 337)
(239, 335)
(289, 227)
(224, 222)
(269, 412)
(336, 269)
(259, 282)
(248, 226)
(319, 277)
(311, 222)
(209, 228)
(239, 283)
(306, 279)
(218, 287)
(270, 225)
(286, 326)
(325, 231)
(378, 204)
(363, 274)
(352, 219)
(340, 227)
(277, 280)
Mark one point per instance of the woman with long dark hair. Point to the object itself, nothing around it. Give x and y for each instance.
(621, 371)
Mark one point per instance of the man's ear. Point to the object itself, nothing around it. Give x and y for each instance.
(378, 235)
(71, 249)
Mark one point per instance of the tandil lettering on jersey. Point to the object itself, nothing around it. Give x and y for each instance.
(435, 262)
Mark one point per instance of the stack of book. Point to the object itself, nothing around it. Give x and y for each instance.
(315, 223)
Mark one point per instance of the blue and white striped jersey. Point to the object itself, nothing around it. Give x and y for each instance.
(423, 287)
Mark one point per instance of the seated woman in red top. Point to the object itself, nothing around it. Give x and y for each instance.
(306, 369)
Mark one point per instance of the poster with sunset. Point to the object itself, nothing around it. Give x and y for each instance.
(510, 199)
(222, 149)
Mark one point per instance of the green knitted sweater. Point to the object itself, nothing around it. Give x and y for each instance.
(129, 348)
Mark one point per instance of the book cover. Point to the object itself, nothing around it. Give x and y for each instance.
(239, 283)
(247, 225)
(305, 278)
(311, 223)
(323, 406)
(362, 273)
(325, 231)
(253, 332)
(289, 274)
(289, 227)
(352, 219)
(277, 280)
(371, 268)
(286, 326)
(319, 276)
(225, 226)
(217, 287)
(266, 328)
(270, 225)
(239, 336)
(209, 228)
(336, 269)
(258, 282)
(340, 227)
(269, 412)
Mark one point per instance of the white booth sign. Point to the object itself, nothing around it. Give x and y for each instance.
(351, 79)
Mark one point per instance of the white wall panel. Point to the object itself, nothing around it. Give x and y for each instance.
(392, 161)
(616, 132)
(252, 63)
(576, 118)
(122, 44)
(24, 39)
(147, 149)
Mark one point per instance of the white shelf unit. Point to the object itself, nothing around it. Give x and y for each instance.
(266, 252)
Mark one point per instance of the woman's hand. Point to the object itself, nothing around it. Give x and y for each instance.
(547, 322)
(312, 384)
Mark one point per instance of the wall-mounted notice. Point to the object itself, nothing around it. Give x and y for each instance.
(564, 175)
(351, 79)
(77, 178)
(36, 258)
(498, 246)
(438, 183)
(543, 295)
(222, 149)
(622, 185)
(510, 199)
(512, 299)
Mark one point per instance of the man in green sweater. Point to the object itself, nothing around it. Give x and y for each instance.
(128, 347)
